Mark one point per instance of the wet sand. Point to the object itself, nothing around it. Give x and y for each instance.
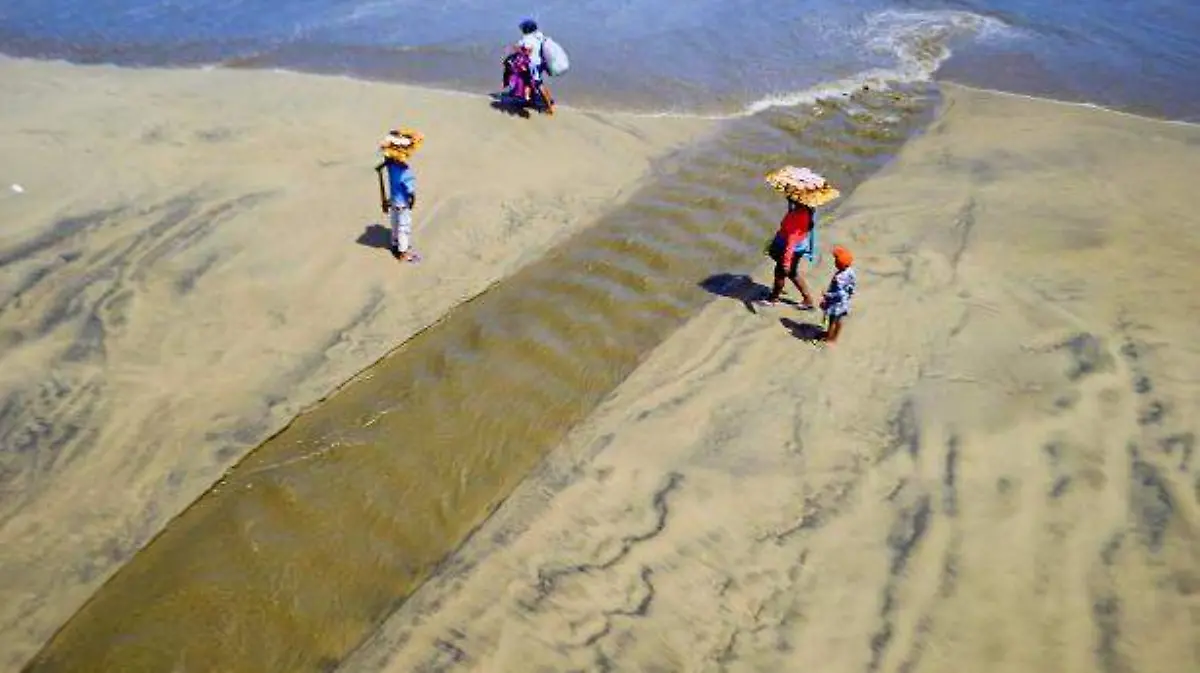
(308, 544)
(197, 256)
(994, 470)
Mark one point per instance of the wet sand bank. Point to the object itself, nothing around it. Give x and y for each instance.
(195, 256)
(310, 542)
(994, 470)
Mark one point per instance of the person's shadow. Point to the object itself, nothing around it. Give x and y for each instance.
(375, 236)
(803, 331)
(745, 290)
(510, 106)
(741, 288)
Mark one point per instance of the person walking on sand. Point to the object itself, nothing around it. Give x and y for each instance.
(793, 242)
(401, 198)
(531, 41)
(836, 302)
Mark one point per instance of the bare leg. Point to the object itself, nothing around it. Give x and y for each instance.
(776, 288)
(797, 279)
(545, 91)
(799, 282)
(835, 328)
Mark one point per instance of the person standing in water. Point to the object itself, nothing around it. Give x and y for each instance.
(532, 40)
(794, 242)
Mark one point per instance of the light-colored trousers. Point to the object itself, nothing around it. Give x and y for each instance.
(401, 225)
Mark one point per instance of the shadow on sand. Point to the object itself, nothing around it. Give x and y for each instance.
(749, 293)
(805, 331)
(511, 108)
(516, 107)
(375, 236)
(736, 286)
(741, 288)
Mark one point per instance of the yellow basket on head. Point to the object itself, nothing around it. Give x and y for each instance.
(400, 144)
(802, 185)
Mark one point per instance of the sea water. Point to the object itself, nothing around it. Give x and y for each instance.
(698, 56)
(459, 414)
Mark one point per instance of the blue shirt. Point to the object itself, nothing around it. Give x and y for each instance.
(402, 184)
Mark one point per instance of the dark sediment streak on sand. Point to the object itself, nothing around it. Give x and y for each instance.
(198, 284)
(314, 539)
(993, 470)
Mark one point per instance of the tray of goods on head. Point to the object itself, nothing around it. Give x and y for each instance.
(399, 144)
(803, 185)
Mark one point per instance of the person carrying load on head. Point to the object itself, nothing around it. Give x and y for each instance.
(793, 243)
(796, 239)
(401, 195)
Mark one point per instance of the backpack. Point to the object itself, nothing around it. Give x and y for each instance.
(554, 58)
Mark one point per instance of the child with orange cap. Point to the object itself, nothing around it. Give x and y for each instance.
(836, 302)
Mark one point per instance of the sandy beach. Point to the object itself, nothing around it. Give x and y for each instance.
(192, 257)
(993, 471)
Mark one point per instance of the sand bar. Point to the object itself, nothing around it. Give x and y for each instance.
(195, 256)
(995, 470)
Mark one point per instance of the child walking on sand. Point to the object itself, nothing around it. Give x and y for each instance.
(836, 302)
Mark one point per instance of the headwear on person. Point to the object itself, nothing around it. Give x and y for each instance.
(399, 144)
(802, 185)
(528, 26)
(842, 257)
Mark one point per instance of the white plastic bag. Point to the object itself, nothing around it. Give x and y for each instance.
(554, 57)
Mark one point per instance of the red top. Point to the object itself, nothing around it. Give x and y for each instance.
(794, 227)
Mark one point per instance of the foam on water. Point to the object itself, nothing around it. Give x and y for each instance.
(919, 41)
(710, 58)
(705, 57)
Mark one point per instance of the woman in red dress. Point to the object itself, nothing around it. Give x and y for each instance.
(793, 242)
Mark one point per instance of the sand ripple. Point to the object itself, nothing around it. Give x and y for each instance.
(994, 471)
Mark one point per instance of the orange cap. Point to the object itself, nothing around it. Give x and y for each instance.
(842, 257)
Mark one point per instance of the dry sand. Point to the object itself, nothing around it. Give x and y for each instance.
(994, 471)
(196, 256)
